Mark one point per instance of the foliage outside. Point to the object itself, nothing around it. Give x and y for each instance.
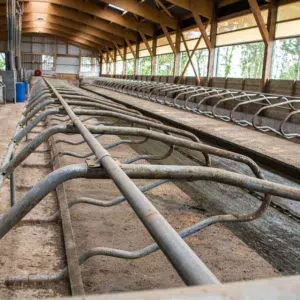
(145, 66)
(164, 65)
(130, 67)
(89, 65)
(119, 67)
(200, 61)
(2, 61)
(240, 61)
(286, 59)
(48, 62)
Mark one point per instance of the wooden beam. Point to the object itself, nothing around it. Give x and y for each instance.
(65, 36)
(153, 58)
(136, 61)
(259, 20)
(167, 34)
(144, 10)
(166, 10)
(212, 50)
(40, 25)
(30, 17)
(223, 3)
(43, 8)
(202, 29)
(131, 48)
(177, 52)
(200, 7)
(108, 14)
(119, 51)
(114, 62)
(147, 44)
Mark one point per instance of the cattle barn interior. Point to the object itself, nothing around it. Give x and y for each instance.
(149, 149)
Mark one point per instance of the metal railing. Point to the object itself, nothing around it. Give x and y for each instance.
(56, 101)
(264, 112)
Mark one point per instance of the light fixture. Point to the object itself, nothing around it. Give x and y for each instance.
(116, 7)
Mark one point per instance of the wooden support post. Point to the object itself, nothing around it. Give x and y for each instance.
(267, 62)
(153, 58)
(55, 54)
(79, 66)
(177, 53)
(100, 65)
(124, 61)
(136, 61)
(212, 50)
(114, 62)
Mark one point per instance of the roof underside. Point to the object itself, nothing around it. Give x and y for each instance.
(103, 24)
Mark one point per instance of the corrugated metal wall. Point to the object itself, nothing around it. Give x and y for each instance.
(33, 47)
(67, 65)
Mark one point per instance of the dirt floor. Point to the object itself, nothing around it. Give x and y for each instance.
(117, 227)
(273, 236)
(30, 248)
(38, 248)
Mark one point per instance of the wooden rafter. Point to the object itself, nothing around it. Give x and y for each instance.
(259, 20)
(223, 3)
(74, 25)
(147, 44)
(108, 14)
(144, 10)
(42, 8)
(39, 25)
(167, 34)
(165, 9)
(62, 35)
(200, 7)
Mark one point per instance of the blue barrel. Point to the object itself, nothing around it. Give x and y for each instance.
(26, 86)
(20, 92)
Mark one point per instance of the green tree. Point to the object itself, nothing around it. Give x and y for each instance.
(251, 62)
(228, 60)
(165, 64)
(2, 61)
(290, 59)
(200, 58)
(130, 67)
(145, 66)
